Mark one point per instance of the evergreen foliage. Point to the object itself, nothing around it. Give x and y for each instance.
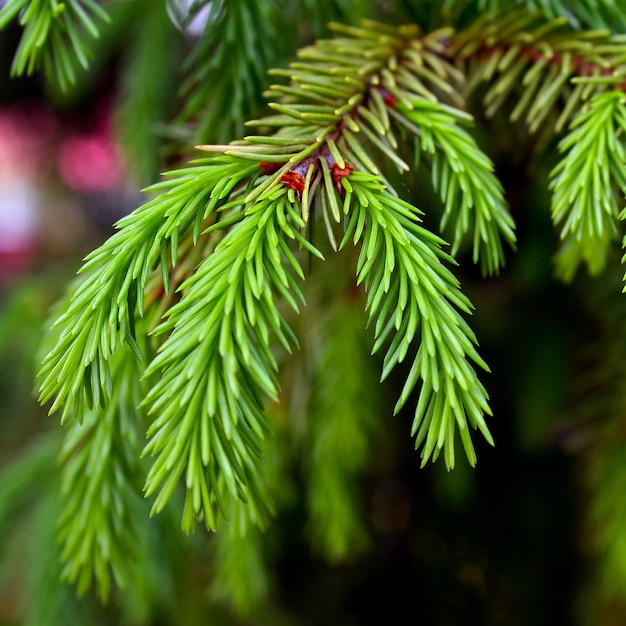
(184, 324)
(56, 36)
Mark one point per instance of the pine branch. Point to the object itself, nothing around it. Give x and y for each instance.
(55, 36)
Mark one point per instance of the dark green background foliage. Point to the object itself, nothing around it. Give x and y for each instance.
(437, 196)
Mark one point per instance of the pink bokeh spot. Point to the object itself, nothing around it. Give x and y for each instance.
(26, 129)
(90, 163)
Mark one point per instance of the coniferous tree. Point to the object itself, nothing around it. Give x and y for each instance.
(249, 331)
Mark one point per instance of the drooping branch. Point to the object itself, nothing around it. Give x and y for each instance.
(350, 104)
(587, 181)
(522, 57)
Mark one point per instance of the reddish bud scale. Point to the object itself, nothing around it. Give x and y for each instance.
(269, 168)
(337, 173)
(295, 177)
(389, 99)
(294, 180)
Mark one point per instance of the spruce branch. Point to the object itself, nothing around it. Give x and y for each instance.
(55, 36)
(242, 577)
(321, 13)
(396, 91)
(49, 603)
(216, 366)
(100, 316)
(410, 291)
(227, 67)
(463, 176)
(586, 182)
(533, 62)
(579, 13)
(29, 504)
(100, 483)
(147, 90)
(201, 281)
(343, 424)
(23, 476)
(214, 363)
